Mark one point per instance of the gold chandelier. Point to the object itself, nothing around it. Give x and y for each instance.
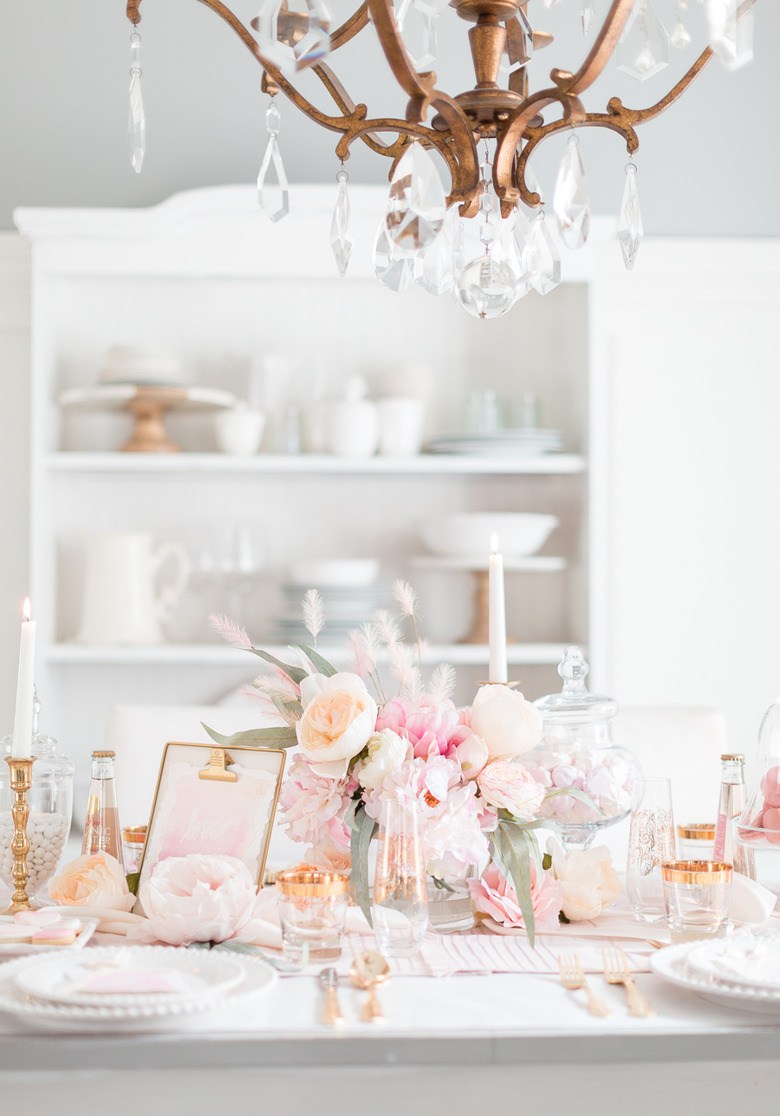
(475, 240)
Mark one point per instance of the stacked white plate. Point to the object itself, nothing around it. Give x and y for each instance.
(522, 442)
(742, 970)
(128, 988)
(346, 607)
(127, 365)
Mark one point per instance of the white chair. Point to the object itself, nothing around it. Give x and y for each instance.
(138, 734)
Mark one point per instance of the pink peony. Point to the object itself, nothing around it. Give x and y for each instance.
(198, 898)
(432, 726)
(312, 805)
(509, 786)
(496, 897)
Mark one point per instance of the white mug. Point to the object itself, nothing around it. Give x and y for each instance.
(400, 425)
(352, 428)
(122, 601)
(239, 432)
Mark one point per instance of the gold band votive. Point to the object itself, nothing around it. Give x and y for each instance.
(309, 883)
(700, 831)
(700, 873)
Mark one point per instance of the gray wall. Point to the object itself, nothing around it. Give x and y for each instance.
(709, 166)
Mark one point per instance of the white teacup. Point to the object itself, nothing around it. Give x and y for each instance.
(352, 428)
(240, 431)
(400, 425)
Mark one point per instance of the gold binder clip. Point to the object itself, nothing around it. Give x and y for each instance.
(217, 768)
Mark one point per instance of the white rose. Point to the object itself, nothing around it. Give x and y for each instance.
(507, 723)
(589, 882)
(386, 752)
(339, 716)
(472, 756)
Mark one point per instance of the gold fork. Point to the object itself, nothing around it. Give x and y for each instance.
(573, 978)
(616, 971)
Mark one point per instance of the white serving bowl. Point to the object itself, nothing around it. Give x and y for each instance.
(351, 572)
(469, 533)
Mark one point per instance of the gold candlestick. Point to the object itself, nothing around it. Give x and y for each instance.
(21, 781)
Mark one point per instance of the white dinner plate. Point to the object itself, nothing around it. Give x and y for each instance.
(672, 964)
(9, 950)
(125, 976)
(256, 980)
(747, 958)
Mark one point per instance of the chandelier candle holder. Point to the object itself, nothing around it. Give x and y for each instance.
(20, 774)
(475, 240)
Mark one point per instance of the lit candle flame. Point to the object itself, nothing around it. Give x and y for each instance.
(494, 543)
(26, 609)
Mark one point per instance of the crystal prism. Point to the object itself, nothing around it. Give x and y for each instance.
(643, 48)
(275, 45)
(521, 256)
(417, 204)
(680, 37)
(341, 237)
(587, 16)
(544, 262)
(272, 186)
(571, 203)
(629, 229)
(486, 287)
(392, 267)
(420, 36)
(430, 7)
(136, 122)
(731, 39)
(434, 268)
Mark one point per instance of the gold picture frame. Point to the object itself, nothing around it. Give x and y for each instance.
(210, 799)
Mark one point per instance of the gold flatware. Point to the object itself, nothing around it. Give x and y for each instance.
(616, 971)
(369, 969)
(573, 978)
(329, 982)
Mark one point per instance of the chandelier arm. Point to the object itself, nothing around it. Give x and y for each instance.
(422, 92)
(511, 135)
(350, 109)
(350, 27)
(406, 130)
(599, 54)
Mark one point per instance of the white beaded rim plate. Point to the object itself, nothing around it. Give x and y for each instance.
(25, 949)
(747, 958)
(672, 964)
(131, 976)
(257, 979)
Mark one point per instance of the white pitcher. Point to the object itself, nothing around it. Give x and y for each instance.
(122, 600)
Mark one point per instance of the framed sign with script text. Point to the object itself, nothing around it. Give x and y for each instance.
(217, 800)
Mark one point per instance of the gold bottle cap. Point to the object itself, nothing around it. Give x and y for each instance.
(699, 831)
(104, 755)
(698, 872)
(134, 834)
(738, 757)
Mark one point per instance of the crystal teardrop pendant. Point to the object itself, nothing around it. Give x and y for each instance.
(434, 268)
(417, 203)
(629, 229)
(272, 186)
(680, 37)
(393, 268)
(571, 203)
(731, 39)
(521, 256)
(136, 118)
(544, 261)
(486, 287)
(643, 48)
(587, 16)
(341, 238)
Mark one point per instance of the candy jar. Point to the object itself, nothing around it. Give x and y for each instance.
(50, 799)
(577, 752)
(759, 823)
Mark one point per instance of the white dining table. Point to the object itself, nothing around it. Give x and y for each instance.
(514, 1042)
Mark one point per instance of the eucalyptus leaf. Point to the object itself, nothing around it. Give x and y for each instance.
(363, 829)
(275, 736)
(442, 885)
(297, 674)
(322, 665)
(133, 879)
(546, 862)
(513, 856)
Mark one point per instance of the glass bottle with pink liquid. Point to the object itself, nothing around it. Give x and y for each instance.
(102, 831)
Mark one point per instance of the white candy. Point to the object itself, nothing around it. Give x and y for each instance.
(47, 834)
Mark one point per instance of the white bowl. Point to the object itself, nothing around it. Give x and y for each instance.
(469, 533)
(352, 572)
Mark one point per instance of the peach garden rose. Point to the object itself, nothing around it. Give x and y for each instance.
(338, 718)
(509, 786)
(92, 881)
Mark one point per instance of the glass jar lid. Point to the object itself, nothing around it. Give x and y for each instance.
(575, 704)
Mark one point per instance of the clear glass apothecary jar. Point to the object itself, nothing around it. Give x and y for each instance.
(50, 798)
(577, 751)
(758, 826)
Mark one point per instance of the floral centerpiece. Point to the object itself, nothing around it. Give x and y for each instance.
(480, 805)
